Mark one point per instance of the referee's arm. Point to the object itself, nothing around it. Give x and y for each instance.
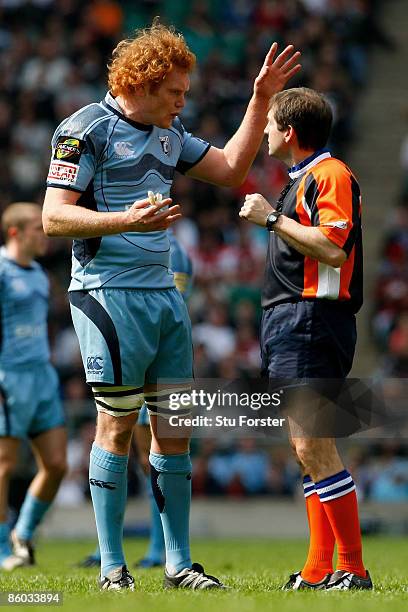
(309, 241)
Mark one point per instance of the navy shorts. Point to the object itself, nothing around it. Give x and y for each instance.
(308, 339)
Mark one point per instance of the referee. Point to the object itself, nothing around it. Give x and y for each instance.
(312, 291)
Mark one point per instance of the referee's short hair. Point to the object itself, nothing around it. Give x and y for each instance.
(307, 111)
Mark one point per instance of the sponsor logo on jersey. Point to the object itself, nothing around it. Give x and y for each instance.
(123, 149)
(63, 171)
(165, 144)
(69, 149)
(94, 365)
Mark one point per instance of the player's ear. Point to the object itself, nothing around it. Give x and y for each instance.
(289, 134)
(12, 232)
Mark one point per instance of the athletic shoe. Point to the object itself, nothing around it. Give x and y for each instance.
(346, 581)
(89, 561)
(22, 549)
(11, 563)
(191, 578)
(117, 580)
(297, 583)
(147, 563)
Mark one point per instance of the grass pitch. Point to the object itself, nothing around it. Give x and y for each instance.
(253, 569)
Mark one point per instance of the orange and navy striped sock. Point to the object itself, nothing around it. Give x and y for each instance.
(338, 496)
(319, 560)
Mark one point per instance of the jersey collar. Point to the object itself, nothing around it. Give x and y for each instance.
(113, 106)
(305, 165)
(4, 253)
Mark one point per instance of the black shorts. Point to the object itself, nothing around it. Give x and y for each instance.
(308, 339)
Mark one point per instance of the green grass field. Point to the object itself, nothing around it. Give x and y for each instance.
(253, 569)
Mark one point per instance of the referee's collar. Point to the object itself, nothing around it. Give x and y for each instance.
(296, 171)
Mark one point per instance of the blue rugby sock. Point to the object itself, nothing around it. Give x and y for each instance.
(108, 482)
(156, 548)
(96, 553)
(31, 514)
(171, 484)
(5, 548)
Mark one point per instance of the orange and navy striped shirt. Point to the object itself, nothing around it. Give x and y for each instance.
(322, 193)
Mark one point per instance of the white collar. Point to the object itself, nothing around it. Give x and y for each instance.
(305, 165)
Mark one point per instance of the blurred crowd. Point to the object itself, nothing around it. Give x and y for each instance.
(53, 57)
(390, 317)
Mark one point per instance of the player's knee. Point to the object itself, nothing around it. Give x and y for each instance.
(305, 450)
(7, 466)
(118, 439)
(56, 467)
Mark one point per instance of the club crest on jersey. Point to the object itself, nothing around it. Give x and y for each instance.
(165, 144)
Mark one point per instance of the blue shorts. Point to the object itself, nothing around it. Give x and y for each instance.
(133, 336)
(31, 402)
(308, 339)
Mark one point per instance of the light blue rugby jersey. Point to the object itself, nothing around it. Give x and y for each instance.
(23, 311)
(114, 161)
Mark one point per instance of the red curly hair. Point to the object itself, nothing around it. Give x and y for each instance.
(148, 58)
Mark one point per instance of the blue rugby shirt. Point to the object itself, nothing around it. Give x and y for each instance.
(113, 161)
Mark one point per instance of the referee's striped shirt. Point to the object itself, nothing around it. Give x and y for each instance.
(323, 193)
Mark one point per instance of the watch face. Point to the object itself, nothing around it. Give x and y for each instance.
(271, 220)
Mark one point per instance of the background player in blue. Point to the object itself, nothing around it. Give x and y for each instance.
(132, 323)
(30, 404)
(182, 268)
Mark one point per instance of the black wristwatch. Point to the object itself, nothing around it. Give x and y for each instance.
(271, 219)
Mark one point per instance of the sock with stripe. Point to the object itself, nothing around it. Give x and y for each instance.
(171, 484)
(156, 550)
(338, 496)
(108, 483)
(319, 560)
(31, 514)
(5, 548)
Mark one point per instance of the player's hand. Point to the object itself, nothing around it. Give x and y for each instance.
(142, 216)
(255, 209)
(276, 71)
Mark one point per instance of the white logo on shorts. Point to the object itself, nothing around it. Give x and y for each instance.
(94, 365)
